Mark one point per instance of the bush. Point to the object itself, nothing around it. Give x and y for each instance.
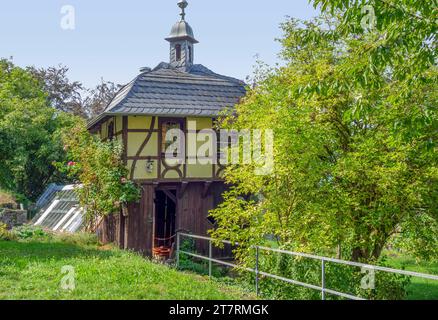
(5, 234)
(28, 232)
(99, 167)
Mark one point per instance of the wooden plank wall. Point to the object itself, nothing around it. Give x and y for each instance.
(135, 232)
(139, 223)
(193, 212)
(107, 231)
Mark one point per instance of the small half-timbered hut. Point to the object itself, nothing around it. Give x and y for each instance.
(178, 94)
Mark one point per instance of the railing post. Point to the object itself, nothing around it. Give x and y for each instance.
(210, 256)
(257, 271)
(323, 279)
(177, 249)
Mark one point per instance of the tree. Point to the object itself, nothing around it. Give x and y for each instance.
(73, 97)
(63, 95)
(99, 97)
(356, 161)
(401, 33)
(30, 133)
(36, 107)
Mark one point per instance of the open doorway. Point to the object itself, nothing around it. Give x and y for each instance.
(165, 223)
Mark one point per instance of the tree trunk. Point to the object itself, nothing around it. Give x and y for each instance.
(339, 251)
(360, 255)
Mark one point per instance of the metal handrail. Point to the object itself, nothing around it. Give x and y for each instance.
(323, 260)
(355, 264)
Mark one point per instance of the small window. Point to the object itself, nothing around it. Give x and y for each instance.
(178, 52)
(190, 54)
(168, 125)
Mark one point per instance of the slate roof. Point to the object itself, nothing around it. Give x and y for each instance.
(176, 92)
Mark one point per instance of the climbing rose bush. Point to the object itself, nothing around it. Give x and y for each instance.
(99, 168)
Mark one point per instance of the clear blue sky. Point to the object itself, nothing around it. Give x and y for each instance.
(113, 39)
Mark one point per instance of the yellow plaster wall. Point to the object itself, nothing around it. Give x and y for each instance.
(201, 123)
(199, 170)
(171, 174)
(136, 139)
(140, 122)
(141, 173)
(118, 123)
(104, 130)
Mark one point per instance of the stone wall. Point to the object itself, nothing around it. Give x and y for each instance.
(13, 218)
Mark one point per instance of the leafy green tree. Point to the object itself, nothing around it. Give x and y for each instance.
(355, 123)
(36, 108)
(30, 133)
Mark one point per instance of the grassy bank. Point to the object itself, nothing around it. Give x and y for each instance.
(6, 198)
(32, 270)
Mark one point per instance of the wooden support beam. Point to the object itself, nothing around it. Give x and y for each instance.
(183, 189)
(207, 186)
(170, 195)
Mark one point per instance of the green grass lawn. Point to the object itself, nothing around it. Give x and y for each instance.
(419, 289)
(32, 270)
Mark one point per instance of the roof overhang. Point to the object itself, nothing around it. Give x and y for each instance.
(188, 38)
(96, 121)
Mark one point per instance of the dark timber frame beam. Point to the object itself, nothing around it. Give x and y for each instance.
(207, 186)
(170, 195)
(183, 189)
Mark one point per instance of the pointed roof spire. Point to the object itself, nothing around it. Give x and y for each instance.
(183, 5)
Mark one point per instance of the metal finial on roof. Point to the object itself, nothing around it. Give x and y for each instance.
(183, 5)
